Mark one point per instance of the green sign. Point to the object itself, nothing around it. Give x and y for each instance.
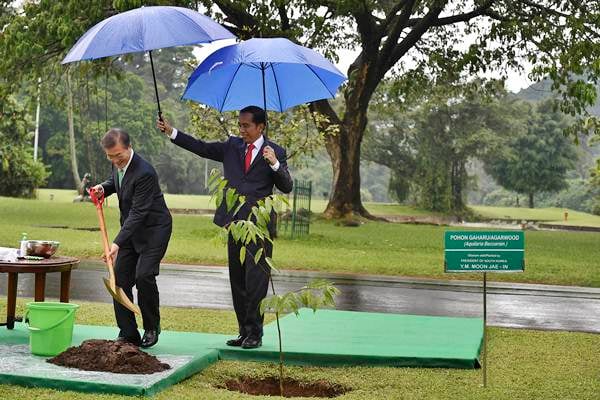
(474, 251)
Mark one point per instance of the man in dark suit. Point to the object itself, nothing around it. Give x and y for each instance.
(252, 165)
(144, 236)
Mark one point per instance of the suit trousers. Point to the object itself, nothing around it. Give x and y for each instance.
(249, 285)
(139, 269)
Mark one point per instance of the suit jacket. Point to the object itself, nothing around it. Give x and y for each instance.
(255, 185)
(145, 218)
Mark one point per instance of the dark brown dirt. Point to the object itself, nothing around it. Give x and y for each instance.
(109, 356)
(291, 387)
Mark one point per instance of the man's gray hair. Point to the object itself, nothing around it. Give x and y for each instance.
(114, 136)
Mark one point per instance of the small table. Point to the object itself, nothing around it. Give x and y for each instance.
(64, 265)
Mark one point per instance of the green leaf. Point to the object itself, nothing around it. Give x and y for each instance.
(214, 179)
(258, 255)
(270, 263)
(218, 198)
(242, 255)
(230, 198)
(241, 202)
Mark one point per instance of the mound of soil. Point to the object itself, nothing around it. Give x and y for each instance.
(109, 356)
(291, 387)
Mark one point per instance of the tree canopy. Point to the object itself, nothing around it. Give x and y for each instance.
(428, 143)
(537, 159)
(434, 39)
(414, 41)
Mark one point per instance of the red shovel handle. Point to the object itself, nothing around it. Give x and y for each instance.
(97, 197)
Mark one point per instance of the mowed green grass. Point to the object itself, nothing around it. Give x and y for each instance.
(551, 215)
(569, 258)
(203, 202)
(522, 365)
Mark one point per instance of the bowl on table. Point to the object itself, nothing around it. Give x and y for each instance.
(42, 248)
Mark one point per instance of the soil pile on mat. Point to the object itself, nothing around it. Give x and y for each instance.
(109, 356)
(291, 387)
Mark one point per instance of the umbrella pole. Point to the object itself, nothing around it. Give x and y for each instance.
(262, 68)
(155, 87)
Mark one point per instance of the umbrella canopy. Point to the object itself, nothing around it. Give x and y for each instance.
(275, 73)
(145, 29)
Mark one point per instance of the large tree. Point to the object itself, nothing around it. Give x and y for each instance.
(426, 37)
(538, 159)
(428, 143)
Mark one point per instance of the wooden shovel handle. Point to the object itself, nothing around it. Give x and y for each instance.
(109, 263)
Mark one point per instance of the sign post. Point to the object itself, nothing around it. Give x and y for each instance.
(484, 251)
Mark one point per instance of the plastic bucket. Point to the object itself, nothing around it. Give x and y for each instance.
(50, 327)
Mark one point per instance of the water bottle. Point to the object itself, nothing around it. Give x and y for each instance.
(23, 247)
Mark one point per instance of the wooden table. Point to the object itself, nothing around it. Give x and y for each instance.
(40, 268)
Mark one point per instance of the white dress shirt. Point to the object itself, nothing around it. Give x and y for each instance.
(124, 169)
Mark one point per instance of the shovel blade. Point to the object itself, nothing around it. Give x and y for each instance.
(119, 295)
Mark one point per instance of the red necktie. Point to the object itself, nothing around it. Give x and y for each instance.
(248, 159)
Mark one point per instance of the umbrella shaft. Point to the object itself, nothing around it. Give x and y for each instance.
(262, 68)
(155, 87)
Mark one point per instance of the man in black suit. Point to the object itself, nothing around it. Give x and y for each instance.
(144, 236)
(252, 165)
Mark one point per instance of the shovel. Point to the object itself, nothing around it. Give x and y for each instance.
(111, 285)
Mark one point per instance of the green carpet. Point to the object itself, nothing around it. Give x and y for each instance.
(186, 352)
(324, 338)
(334, 338)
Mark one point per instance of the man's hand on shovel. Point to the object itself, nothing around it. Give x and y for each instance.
(114, 250)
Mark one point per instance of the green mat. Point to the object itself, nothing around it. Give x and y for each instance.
(186, 352)
(335, 338)
(324, 338)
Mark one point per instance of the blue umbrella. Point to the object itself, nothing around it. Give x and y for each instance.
(273, 72)
(146, 29)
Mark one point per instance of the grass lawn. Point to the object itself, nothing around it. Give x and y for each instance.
(523, 365)
(569, 258)
(550, 215)
(203, 202)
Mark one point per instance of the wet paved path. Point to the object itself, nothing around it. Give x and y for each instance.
(509, 305)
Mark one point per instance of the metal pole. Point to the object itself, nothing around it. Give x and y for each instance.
(262, 68)
(294, 208)
(485, 353)
(106, 102)
(205, 173)
(309, 201)
(155, 87)
(37, 123)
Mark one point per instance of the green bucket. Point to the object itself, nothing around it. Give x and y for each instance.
(51, 327)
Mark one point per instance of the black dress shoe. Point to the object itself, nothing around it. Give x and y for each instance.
(150, 338)
(237, 342)
(251, 343)
(135, 341)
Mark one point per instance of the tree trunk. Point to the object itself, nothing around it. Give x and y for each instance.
(344, 147)
(72, 148)
(344, 151)
(531, 200)
(459, 176)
